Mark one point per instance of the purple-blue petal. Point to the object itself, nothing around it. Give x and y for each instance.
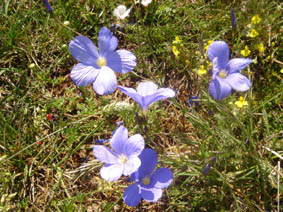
(114, 61)
(112, 172)
(237, 64)
(106, 41)
(151, 194)
(238, 82)
(118, 140)
(233, 19)
(220, 50)
(147, 88)
(47, 5)
(83, 75)
(149, 161)
(132, 93)
(219, 88)
(132, 165)
(84, 50)
(206, 169)
(161, 93)
(105, 82)
(134, 145)
(161, 178)
(128, 60)
(194, 100)
(104, 154)
(132, 195)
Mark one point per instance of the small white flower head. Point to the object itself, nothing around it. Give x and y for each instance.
(121, 12)
(146, 2)
(66, 23)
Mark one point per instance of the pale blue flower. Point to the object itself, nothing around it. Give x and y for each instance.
(226, 73)
(124, 160)
(98, 66)
(147, 93)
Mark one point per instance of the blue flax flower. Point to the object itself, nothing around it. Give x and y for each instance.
(47, 5)
(226, 73)
(147, 93)
(98, 66)
(124, 160)
(148, 184)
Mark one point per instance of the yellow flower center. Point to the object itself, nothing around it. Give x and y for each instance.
(146, 180)
(223, 74)
(123, 159)
(101, 61)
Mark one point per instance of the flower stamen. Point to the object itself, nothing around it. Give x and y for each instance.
(101, 61)
(146, 180)
(123, 159)
(223, 74)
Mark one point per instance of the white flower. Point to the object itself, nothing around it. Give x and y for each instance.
(146, 2)
(121, 12)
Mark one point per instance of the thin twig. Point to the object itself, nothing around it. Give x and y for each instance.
(278, 188)
(275, 153)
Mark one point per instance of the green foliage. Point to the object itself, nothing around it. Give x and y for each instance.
(48, 165)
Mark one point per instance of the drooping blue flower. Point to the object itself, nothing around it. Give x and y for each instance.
(206, 169)
(233, 19)
(47, 5)
(98, 66)
(148, 184)
(226, 73)
(147, 93)
(125, 160)
(194, 100)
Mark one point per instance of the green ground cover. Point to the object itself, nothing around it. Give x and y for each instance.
(47, 162)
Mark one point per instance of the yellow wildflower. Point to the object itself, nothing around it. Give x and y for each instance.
(177, 40)
(245, 52)
(208, 43)
(241, 102)
(175, 51)
(256, 19)
(202, 70)
(281, 71)
(260, 48)
(253, 33)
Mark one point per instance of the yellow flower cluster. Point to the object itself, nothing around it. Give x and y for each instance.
(202, 70)
(241, 103)
(176, 52)
(177, 40)
(253, 33)
(208, 43)
(256, 19)
(245, 52)
(260, 48)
